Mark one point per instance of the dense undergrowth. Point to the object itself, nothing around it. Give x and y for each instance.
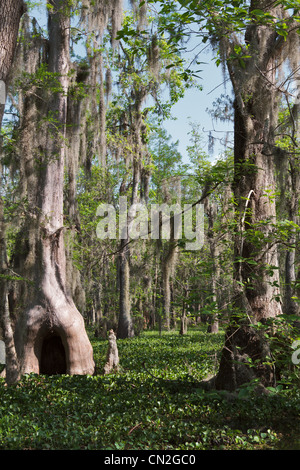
(153, 402)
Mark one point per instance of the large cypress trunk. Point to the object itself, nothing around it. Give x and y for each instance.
(255, 247)
(50, 333)
(256, 273)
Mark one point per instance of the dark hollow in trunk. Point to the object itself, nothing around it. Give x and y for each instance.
(48, 305)
(53, 356)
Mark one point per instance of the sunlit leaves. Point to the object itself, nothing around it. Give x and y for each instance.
(217, 19)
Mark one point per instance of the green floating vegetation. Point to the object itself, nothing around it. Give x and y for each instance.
(153, 402)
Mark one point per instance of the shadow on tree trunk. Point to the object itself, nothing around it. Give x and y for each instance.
(245, 357)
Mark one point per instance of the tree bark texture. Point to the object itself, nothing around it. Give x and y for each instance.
(137, 129)
(125, 325)
(169, 257)
(50, 333)
(168, 262)
(211, 211)
(12, 365)
(11, 12)
(112, 358)
(292, 194)
(256, 273)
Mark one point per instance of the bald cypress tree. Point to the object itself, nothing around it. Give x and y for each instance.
(11, 12)
(50, 333)
(257, 42)
(257, 91)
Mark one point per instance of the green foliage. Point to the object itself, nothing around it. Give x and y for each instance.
(89, 253)
(217, 19)
(153, 402)
(281, 345)
(42, 79)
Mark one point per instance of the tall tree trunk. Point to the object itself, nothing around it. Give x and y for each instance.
(255, 249)
(12, 366)
(256, 290)
(292, 195)
(11, 12)
(75, 154)
(171, 251)
(168, 262)
(211, 211)
(256, 259)
(184, 319)
(291, 307)
(50, 334)
(125, 326)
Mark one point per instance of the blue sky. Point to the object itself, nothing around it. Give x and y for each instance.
(192, 108)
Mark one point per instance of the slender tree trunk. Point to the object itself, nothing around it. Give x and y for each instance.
(51, 326)
(11, 12)
(167, 271)
(170, 257)
(291, 307)
(213, 326)
(125, 326)
(211, 211)
(293, 193)
(172, 307)
(184, 319)
(12, 366)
